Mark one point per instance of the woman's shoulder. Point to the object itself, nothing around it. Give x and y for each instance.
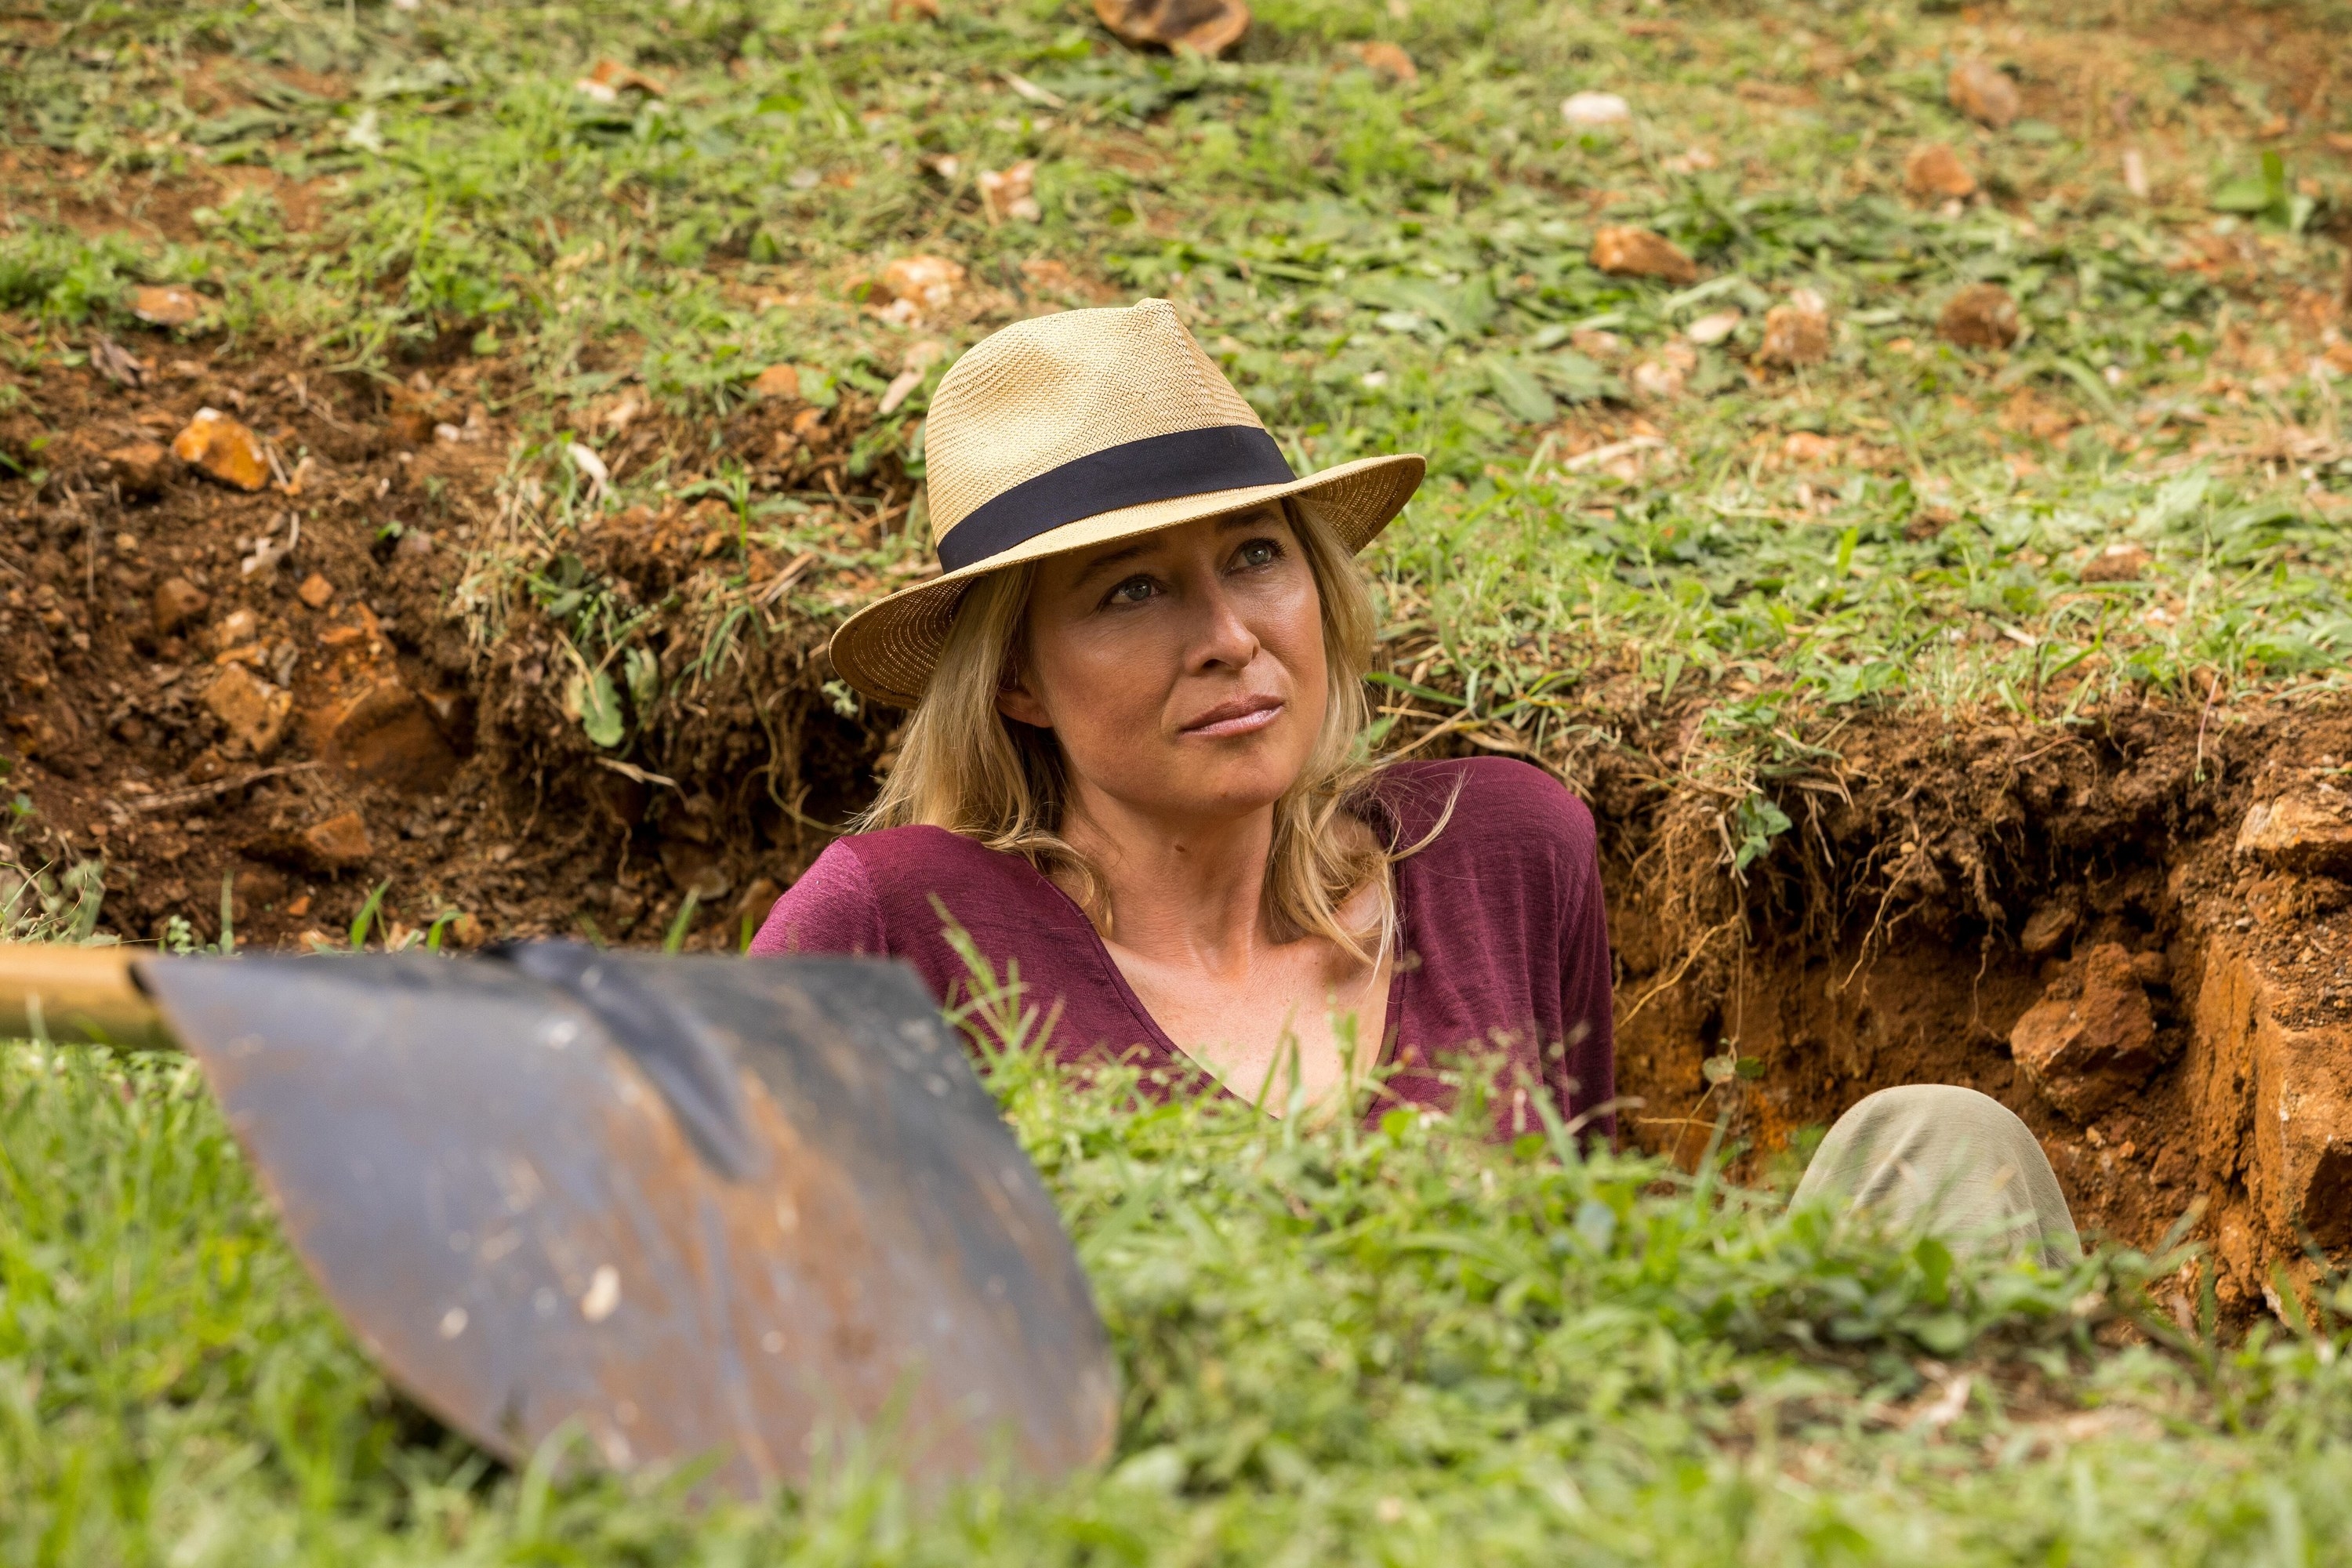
(1483, 802)
(867, 886)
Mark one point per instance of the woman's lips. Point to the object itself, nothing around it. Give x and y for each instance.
(1238, 717)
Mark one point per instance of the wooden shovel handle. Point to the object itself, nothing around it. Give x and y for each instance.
(76, 993)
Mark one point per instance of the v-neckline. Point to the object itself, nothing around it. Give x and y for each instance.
(1160, 1041)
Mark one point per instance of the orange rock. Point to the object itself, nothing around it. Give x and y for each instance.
(253, 711)
(1628, 252)
(1796, 334)
(141, 467)
(1935, 173)
(386, 735)
(1388, 60)
(315, 591)
(778, 381)
(1980, 316)
(2310, 835)
(223, 447)
(1984, 94)
(177, 601)
(923, 282)
(2091, 1038)
(1011, 193)
(165, 306)
(1205, 27)
(336, 844)
(607, 80)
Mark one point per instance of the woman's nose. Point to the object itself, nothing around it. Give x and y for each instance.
(1223, 636)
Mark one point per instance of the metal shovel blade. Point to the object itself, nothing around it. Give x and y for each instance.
(698, 1206)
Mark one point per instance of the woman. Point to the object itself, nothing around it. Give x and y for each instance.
(1133, 768)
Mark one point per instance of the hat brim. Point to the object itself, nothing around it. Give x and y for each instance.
(888, 650)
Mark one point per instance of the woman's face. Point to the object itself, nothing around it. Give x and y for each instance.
(1183, 672)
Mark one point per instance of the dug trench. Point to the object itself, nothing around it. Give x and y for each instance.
(2133, 931)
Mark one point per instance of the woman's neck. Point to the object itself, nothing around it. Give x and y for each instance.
(1188, 893)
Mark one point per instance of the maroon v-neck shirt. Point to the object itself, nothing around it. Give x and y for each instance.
(1504, 945)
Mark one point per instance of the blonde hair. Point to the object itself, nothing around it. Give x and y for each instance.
(965, 767)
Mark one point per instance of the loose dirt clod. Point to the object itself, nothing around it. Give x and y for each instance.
(176, 603)
(2308, 834)
(315, 591)
(2092, 1037)
(222, 448)
(141, 468)
(2122, 562)
(778, 381)
(253, 711)
(386, 735)
(1205, 27)
(1984, 94)
(1628, 252)
(1935, 173)
(1796, 334)
(337, 844)
(1980, 316)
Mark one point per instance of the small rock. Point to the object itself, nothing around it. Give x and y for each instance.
(177, 602)
(223, 447)
(253, 711)
(1935, 173)
(2309, 835)
(2048, 926)
(1984, 94)
(1627, 252)
(781, 382)
(166, 306)
(1804, 450)
(919, 284)
(2085, 1050)
(1714, 327)
(141, 467)
(1980, 316)
(1796, 334)
(1205, 27)
(1010, 194)
(1389, 62)
(2122, 562)
(335, 845)
(386, 735)
(1590, 110)
(315, 591)
(607, 80)
(233, 630)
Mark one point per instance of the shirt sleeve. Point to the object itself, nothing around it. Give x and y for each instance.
(1588, 1058)
(832, 909)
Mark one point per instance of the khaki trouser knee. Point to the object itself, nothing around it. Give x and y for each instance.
(1950, 1162)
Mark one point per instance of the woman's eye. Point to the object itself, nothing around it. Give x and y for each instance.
(1258, 552)
(1134, 591)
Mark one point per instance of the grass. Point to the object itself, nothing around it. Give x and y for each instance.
(1379, 265)
(1393, 1345)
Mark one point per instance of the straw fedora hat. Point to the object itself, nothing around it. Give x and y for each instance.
(1078, 429)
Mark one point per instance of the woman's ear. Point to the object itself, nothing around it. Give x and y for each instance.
(1018, 703)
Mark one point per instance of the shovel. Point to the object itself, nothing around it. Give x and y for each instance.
(747, 1210)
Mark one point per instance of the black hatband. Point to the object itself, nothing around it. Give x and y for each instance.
(1133, 473)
